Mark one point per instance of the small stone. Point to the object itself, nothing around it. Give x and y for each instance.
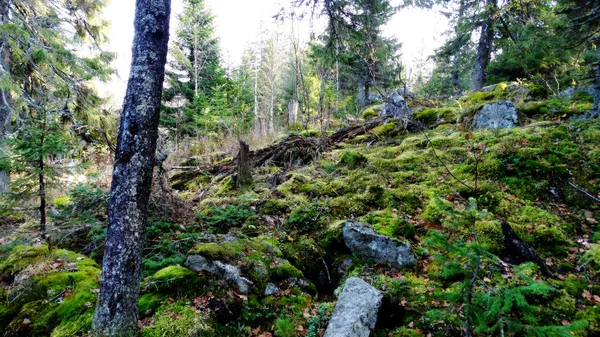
(271, 289)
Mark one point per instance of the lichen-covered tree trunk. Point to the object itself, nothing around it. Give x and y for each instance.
(116, 310)
(5, 101)
(484, 48)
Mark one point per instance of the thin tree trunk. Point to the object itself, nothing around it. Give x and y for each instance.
(597, 86)
(322, 99)
(116, 310)
(484, 48)
(195, 64)
(271, 108)
(42, 195)
(360, 93)
(244, 176)
(257, 128)
(5, 99)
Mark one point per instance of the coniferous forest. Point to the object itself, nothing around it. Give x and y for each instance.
(316, 185)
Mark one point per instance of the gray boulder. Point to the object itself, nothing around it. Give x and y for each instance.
(355, 312)
(396, 106)
(499, 115)
(226, 272)
(364, 242)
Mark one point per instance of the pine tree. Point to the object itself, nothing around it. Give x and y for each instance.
(47, 33)
(194, 71)
(45, 90)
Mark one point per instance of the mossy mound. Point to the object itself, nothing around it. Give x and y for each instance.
(50, 292)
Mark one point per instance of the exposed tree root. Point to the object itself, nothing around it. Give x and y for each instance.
(518, 251)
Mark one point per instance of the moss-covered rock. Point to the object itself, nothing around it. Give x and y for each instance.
(176, 280)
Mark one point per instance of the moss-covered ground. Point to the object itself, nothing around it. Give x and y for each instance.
(446, 191)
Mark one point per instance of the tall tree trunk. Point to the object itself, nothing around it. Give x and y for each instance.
(484, 48)
(292, 111)
(257, 128)
(5, 100)
(455, 58)
(271, 108)
(116, 310)
(361, 93)
(195, 64)
(597, 86)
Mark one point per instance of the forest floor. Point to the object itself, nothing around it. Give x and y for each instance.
(446, 191)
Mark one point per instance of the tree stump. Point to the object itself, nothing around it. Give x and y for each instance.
(244, 176)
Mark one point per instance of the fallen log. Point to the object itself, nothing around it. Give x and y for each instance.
(292, 151)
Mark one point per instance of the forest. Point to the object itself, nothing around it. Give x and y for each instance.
(321, 186)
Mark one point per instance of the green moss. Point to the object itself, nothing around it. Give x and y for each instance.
(353, 159)
(433, 116)
(285, 327)
(21, 257)
(537, 91)
(306, 218)
(149, 303)
(177, 320)
(275, 207)
(389, 224)
(384, 130)
(215, 251)
(372, 111)
(178, 280)
(305, 254)
(490, 233)
(285, 270)
(531, 109)
(310, 133)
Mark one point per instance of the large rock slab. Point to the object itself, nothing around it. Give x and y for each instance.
(226, 272)
(499, 115)
(364, 242)
(355, 313)
(396, 106)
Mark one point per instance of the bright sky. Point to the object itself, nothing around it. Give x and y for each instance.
(237, 25)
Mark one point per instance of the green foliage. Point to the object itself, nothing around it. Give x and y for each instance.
(224, 218)
(353, 159)
(306, 218)
(284, 327)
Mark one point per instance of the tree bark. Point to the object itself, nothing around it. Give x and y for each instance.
(455, 58)
(5, 99)
(484, 48)
(292, 111)
(244, 176)
(116, 310)
(597, 86)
